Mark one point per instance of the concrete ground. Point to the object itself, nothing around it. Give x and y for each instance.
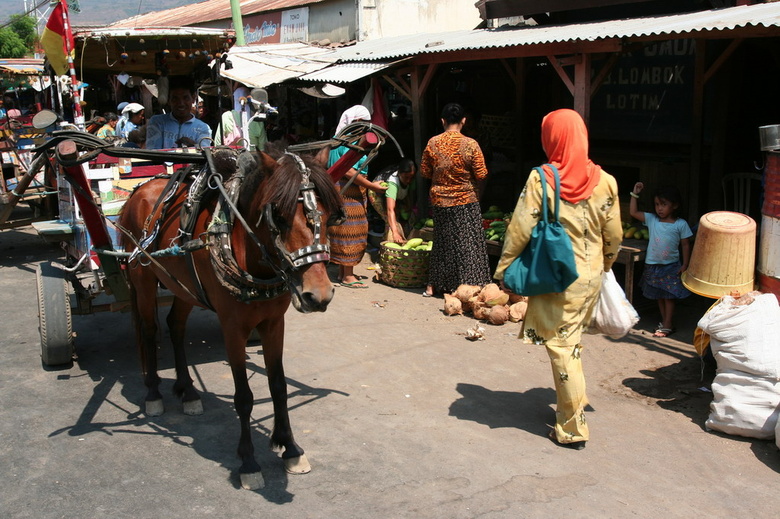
(399, 414)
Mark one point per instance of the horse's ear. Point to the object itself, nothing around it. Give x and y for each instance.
(322, 156)
(267, 163)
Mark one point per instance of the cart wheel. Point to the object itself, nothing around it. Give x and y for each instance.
(54, 315)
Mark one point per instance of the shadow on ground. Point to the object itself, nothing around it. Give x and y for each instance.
(530, 411)
(214, 435)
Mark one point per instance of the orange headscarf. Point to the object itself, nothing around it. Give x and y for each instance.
(565, 140)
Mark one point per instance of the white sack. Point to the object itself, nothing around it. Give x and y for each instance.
(744, 404)
(746, 337)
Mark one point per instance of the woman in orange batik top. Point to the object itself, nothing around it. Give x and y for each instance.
(455, 165)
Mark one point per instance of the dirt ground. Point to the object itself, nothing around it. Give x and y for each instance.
(399, 414)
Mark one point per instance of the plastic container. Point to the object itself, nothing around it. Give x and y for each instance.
(770, 137)
(724, 255)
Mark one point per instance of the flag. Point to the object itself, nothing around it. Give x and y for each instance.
(57, 38)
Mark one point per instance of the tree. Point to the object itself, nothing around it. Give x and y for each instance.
(11, 45)
(25, 28)
(18, 38)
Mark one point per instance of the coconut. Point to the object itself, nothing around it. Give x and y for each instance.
(517, 311)
(481, 311)
(468, 306)
(514, 298)
(490, 292)
(498, 314)
(452, 305)
(499, 300)
(466, 292)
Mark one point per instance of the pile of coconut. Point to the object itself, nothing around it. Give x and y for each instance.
(489, 304)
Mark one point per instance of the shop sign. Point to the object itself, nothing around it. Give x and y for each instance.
(279, 27)
(647, 95)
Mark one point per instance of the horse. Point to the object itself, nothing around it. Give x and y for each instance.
(279, 256)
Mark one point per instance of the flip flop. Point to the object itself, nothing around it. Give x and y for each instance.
(353, 284)
(664, 332)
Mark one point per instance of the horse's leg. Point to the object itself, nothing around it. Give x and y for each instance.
(144, 306)
(243, 400)
(182, 388)
(272, 334)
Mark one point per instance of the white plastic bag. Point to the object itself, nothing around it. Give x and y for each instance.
(613, 316)
(744, 404)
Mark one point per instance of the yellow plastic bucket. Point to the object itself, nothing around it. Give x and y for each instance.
(724, 255)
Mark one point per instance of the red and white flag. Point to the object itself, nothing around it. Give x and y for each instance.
(57, 39)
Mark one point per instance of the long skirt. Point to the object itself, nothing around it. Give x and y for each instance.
(570, 424)
(348, 241)
(459, 255)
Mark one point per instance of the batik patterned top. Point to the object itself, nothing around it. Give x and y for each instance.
(455, 164)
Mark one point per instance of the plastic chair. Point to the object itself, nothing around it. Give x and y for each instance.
(742, 193)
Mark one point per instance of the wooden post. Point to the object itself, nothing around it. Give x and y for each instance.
(582, 87)
(700, 67)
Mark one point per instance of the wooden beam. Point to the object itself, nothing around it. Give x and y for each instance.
(426, 80)
(399, 87)
(722, 59)
(582, 87)
(521, 51)
(599, 79)
(562, 73)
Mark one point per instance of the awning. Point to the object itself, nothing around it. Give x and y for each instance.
(21, 66)
(718, 23)
(259, 66)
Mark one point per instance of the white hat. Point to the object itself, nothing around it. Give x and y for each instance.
(133, 108)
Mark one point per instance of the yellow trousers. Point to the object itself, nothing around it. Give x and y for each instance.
(570, 425)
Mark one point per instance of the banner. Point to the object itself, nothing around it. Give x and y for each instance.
(57, 38)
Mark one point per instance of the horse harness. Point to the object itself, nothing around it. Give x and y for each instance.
(240, 283)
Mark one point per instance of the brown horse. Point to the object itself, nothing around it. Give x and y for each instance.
(278, 255)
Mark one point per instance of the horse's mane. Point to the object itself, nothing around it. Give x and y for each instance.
(282, 188)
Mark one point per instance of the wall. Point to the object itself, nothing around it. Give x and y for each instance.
(335, 21)
(385, 18)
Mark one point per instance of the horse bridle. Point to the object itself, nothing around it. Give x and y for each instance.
(315, 253)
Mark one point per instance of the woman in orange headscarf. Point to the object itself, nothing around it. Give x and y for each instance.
(590, 213)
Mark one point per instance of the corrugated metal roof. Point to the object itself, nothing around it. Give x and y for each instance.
(347, 72)
(262, 65)
(140, 32)
(766, 15)
(207, 11)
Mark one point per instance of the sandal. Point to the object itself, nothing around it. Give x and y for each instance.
(577, 446)
(353, 284)
(664, 332)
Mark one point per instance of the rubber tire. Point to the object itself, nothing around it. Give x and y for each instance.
(54, 315)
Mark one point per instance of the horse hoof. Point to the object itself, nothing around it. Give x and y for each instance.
(299, 465)
(154, 407)
(253, 481)
(193, 407)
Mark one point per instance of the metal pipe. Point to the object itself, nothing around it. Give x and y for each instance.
(238, 24)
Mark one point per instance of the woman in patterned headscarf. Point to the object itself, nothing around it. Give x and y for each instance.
(590, 213)
(348, 241)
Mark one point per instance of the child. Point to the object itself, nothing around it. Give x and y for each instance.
(668, 234)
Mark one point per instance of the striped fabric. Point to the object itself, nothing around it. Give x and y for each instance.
(348, 240)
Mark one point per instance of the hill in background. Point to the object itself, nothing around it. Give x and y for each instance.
(99, 12)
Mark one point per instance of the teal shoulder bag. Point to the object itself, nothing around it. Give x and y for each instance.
(546, 265)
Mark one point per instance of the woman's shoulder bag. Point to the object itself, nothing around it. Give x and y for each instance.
(546, 265)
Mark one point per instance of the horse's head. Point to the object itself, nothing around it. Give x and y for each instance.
(296, 202)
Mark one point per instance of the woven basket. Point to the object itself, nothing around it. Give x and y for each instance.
(403, 268)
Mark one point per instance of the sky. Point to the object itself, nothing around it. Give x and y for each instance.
(96, 12)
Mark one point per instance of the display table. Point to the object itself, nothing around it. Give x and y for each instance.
(630, 252)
